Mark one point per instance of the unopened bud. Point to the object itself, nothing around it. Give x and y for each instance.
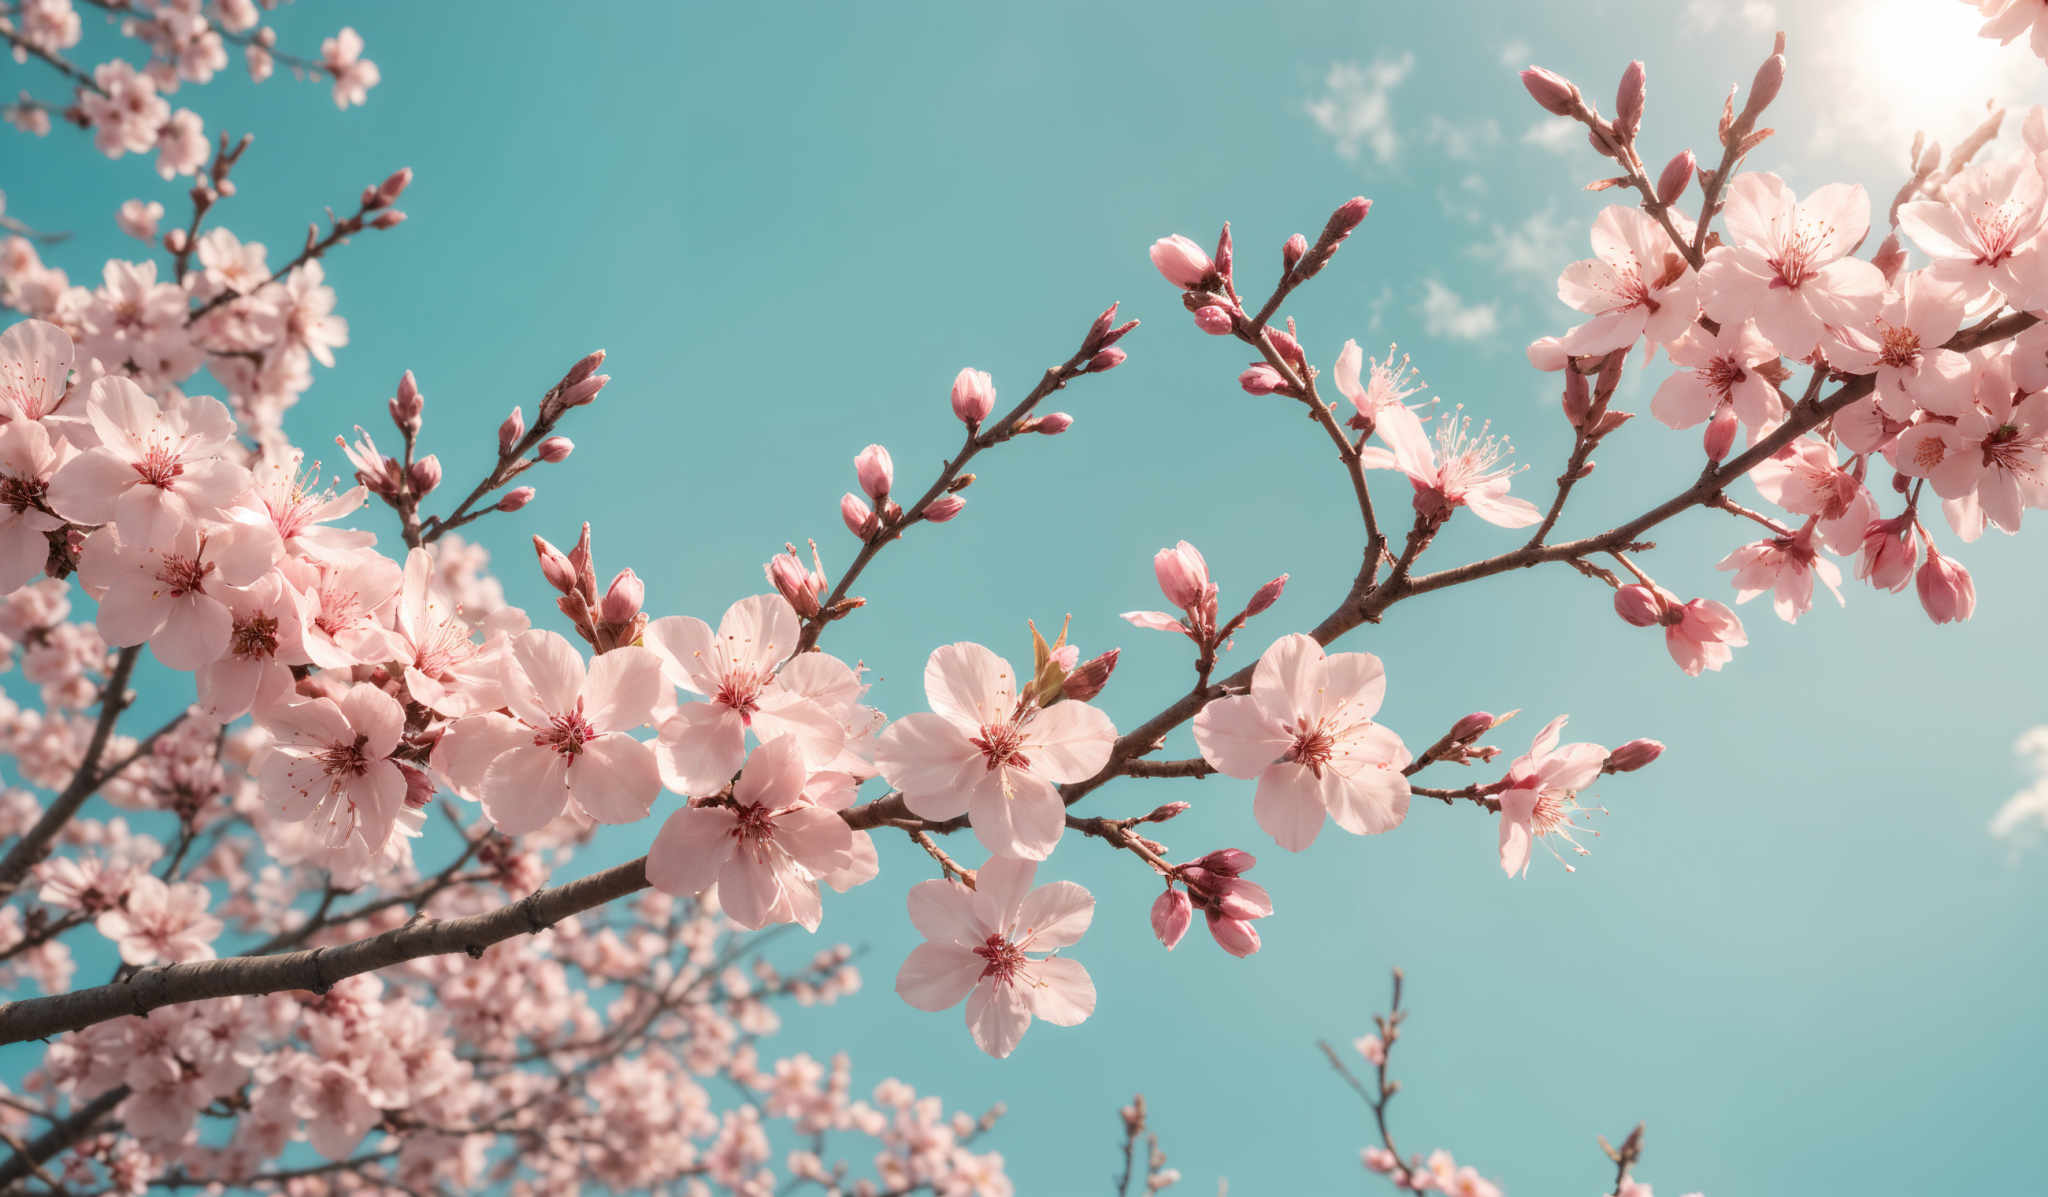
(554, 449)
(1764, 88)
(1172, 914)
(389, 218)
(1552, 91)
(1720, 434)
(1628, 101)
(877, 473)
(1100, 328)
(408, 405)
(510, 431)
(1578, 398)
(1167, 810)
(1946, 592)
(1228, 862)
(1183, 575)
(393, 187)
(1472, 726)
(943, 508)
(1214, 319)
(583, 392)
(1632, 756)
(859, 517)
(1105, 359)
(795, 583)
(517, 497)
(1671, 182)
(622, 598)
(1265, 596)
(974, 395)
(1290, 253)
(1261, 379)
(554, 566)
(585, 367)
(1286, 346)
(1088, 678)
(424, 475)
(175, 241)
(1181, 261)
(1348, 216)
(1053, 423)
(1235, 936)
(1639, 605)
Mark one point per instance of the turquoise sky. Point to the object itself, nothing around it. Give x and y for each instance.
(1796, 951)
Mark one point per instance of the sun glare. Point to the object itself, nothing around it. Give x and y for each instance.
(1919, 64)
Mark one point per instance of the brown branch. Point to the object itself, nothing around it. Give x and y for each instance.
(85, 780)
(50, 1143)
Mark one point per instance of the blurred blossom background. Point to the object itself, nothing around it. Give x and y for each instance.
(1799, 950)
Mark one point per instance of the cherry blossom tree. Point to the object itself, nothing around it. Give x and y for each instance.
(340, 967)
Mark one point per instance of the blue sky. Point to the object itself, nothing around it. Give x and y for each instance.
(1797, 952)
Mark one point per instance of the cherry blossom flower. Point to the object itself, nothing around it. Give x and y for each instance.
(29, 458)
(310, 325)
(1638, 284)
(765, 852)
(156, 469)
(159, 922)
(445, 667)
(1982, 233)
(342, 57)
(703, 743)
(1719, 368)
(1903, 348)
(982, 753)
(1786, 566)
(343, 605)
(170, 594)
(1459, 469)
(1990, 464)
(335, 1102)
(1805, 478)
(1387, 384)
(982, 944)
(1788, 267)
(264, 642)
(292, 501)
(35, 363)
(1305, 732)
(1702, 634)
(330, 765)
(1890, 550)
(565, 742)
(1542, 796)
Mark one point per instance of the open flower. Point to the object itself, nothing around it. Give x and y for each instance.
(29, 457)
(1980, 231)
(735, 668)
(157, 467)
(330, 765)
(981, 945)
(1542, 796)
(35, 363)
(1719, 368)
(445, 668)
(1789, 266)
(981, 753)
(158, 922)
(169, 593)
(1387, 384)
(1902, 346)
(765, 852)
(565, 740)
(1639, 284)
(1786, 566)
(1306, 733)
(264, 641)
(1460, 468)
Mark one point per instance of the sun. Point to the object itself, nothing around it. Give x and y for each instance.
(1910, 65)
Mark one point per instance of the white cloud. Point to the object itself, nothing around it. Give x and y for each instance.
(1558, 134)
(1462, 141)
(1515, 54)
(1444, 314)
(1537, 248)
(1356, 109)
(1757, 16)
(2024, 816)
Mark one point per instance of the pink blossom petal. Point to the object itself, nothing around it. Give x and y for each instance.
(1288, 806)
(998, 1014)
(1054, 915)
(692, 846)
(525, 789)
(970, 686)
(1069, 741)
(614, 779)
(1062, 993)
(936, 976)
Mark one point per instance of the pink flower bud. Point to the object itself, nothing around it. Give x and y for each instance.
(425, 474)
(1172, 914)
(1261, 379)
(1638, 605)
(554, 449)
(1472, 726)
(580, 393)
(1552, 91)
(622, 598)
(1087, 680)
(1265, 596)
(175, 241)
(1105, 359)
(389, 218)
(1578, 398)
(1214, 319)
(974, 395)
(1548, 355)
(391, 188)
(517, 497)
(1235, 936)
(1291, 252)
(1632, 756)
(408, 405)
(1181, 261)
(1228, 862)
(554, 566)
(510, 431)
(876, 472)
(1890, 550)
(795, 583)
(1380, 1160)
(1720, 434)
(1628, 101)
(585, 367)
(943, 508)
(1946, 592)
(1052, 423)
(1286, 346)
(1183, 575)
(1673, 179)
(1348, 216)
(860, 518)
(1764, 88)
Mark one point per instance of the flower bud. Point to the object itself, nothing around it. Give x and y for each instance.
(1105, 359)
(389, 218)
(1086, 681)
(1235, 936)
(585, 367)
(1638, 605)
(1228, 862)
(876, 472)
(175, 241)
(408, 405)
(860, 518)
(580, 393)
(1348, 216)
(517, 497)
(424, 475)
(1472, 726)
(795, 583)
(1287, 347)
(1632, 756)
(1098, 331)
(1578, 398)
(1181, 261)
(1720, 434)
(391, 188)
(1552, 91)
(1261, 379)
(1172, 913)
(1548, 355)
(1628, 101)
(1291, 253)
(1890, 550)
(1946, 591)
(1053, 423)
(974, 395)
(1214, 319)
(554, 449)
(1676, 174)
(1183, 575)
(510, 431)
(1763, 89)
(622, 598)
(1265, 596)
(943, 508)
(554, 566)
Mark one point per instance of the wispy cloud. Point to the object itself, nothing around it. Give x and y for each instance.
(1463, 141)
(1356, 107)
(1757, 16)
(2024, 816)
(1515, 54)
(1444, 314)
(1558, 134)
(1536, 249)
